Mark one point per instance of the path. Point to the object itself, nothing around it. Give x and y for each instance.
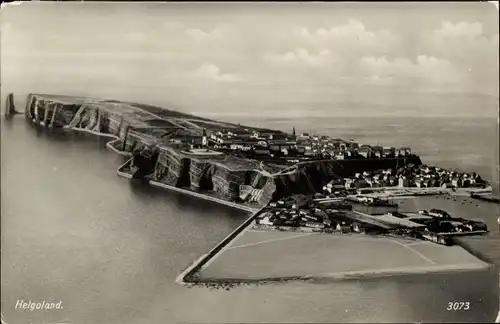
(269, 241)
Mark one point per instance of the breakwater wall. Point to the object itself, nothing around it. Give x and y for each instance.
(190, 274)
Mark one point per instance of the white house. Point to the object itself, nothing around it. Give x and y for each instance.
(237, 146)
(340, 156)
(349, 183)
(265, 221)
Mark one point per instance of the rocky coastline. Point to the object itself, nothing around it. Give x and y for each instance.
(227, 176)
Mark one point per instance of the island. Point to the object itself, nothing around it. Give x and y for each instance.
(295, 184)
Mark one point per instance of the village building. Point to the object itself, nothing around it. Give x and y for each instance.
(403, 182)
(365, 152)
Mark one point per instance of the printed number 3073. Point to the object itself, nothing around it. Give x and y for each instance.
(458, 306)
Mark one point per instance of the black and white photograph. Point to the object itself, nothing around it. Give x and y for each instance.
(249, 162)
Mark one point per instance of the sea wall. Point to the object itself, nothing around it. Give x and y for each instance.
(226, 177)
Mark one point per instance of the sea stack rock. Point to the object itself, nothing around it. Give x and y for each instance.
(10, 109)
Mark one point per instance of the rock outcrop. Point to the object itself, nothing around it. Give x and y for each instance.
(10, 108)
(135, 129)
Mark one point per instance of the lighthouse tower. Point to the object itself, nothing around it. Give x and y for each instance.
(204, 141)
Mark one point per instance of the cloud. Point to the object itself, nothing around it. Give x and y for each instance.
(352, 29)
(426, 68)
(200, 35)
(349, 37)
(459, 30)
(300, 57)
(219, 45)
(213, 72)
(462, 41)
(470, 48)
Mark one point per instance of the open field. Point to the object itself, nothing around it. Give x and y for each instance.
(235, 163)
(270, 255)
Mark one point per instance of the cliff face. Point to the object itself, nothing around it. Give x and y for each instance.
(228, 177)
(172, 168)
(206, 175)
(312, 177)
(252, 186)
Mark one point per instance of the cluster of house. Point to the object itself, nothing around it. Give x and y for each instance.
(276, 143)
(262, 142)
(292, 214)
(421, 176)
(340, 149)
(424, 176)
(289, 214)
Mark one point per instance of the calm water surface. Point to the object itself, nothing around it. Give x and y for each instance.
(74, 231)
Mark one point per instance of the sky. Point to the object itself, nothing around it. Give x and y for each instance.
(260, 59)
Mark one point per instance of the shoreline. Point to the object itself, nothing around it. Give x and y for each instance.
(109, 144)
